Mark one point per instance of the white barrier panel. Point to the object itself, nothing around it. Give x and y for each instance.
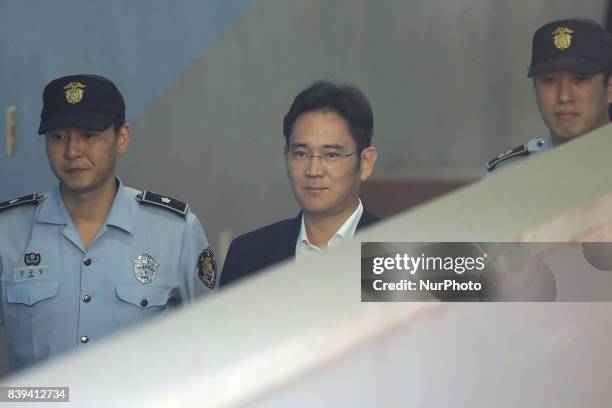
(300, 336)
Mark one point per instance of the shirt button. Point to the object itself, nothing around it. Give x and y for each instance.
(144, 302)
(87, 261)
(84, 339)
(86, 298)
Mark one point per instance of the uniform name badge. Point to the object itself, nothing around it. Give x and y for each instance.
(30, 273)
(145, 268)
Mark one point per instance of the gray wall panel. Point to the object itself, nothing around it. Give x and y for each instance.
(447, 81)
(142, 46)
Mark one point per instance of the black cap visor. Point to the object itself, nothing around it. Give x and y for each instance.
(83, 120)
(577, 65)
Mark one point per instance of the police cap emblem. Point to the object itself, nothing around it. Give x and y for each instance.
(207, 268)
(145, 268)
(74, 92)
(562, 37)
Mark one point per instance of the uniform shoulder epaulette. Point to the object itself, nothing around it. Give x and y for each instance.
(161, 201)
(521, 150)
(30, 199)
(533, 146)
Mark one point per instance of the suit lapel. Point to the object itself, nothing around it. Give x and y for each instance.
(367, 218)
(288, 238)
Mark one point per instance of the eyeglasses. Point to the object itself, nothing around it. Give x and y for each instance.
(300, 156)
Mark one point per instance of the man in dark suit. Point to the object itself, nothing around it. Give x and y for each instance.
(328, 132)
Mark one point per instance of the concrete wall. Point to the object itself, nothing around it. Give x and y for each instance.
(142, 46)
(447, 81)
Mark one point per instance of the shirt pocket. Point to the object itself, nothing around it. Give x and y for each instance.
(31, 317)
(143, 297)
(31, 293)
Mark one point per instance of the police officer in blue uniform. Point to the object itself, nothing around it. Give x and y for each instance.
(570, 66)
(91, 256)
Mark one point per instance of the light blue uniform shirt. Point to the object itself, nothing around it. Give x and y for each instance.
(58, 296)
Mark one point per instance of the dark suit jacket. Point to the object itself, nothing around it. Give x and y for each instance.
(256, 250)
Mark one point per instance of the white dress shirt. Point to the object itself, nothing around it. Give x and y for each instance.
(346, 231)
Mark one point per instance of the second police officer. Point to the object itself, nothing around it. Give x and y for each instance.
(570, 65)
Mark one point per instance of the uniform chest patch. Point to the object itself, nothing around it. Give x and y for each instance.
(32, 259)
(145, 268)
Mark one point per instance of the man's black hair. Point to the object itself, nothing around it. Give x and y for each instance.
(345, 100)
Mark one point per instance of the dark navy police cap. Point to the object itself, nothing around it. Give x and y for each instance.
(89, 102)
(577, 45)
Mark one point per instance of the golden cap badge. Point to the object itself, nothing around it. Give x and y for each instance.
(74, 92)
(562, 37)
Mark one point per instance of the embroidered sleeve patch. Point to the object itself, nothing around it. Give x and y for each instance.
(207, 268)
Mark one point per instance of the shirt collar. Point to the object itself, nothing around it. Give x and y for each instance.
(121, 215)
(346, 230)
(52, 209)
(123, 212)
